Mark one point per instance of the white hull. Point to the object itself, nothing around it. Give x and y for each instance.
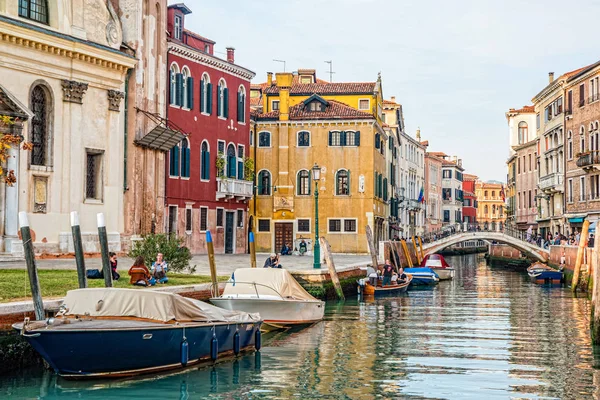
(288, 312)
(444, 273)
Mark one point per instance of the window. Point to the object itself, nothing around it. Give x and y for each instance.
(342, 178)
(304, 225)
(570, 191)
(264, 183)
(188, 220)
(447, 174)
(530, 163)
(335, 225)
(352, 138)
(222, 100)
(529, 199)
(493, 194)
(447, 194)
(569, 102)
(185, 158)
(522, 132)
(344, 138)
(176, 79)
(178, 27)
(203, 219)
(240, 218)
(316, 106)
(40, 126)
(241, 105)
(264, 225)
(275, 105)
(364, 104)
(264, 139)
(570, 145)
(205, 95)
(231, 161)
(240, 162)
(205, 162)
(174, 161)
(219, 217)
(36, 10)
(446, 215)
(172, 222)
(93, 175)
(303, 185)
(582, 190)
(537, 121)
(187, 96)
(335, 138)
(303, 139)
(582, 95)
(349, 225)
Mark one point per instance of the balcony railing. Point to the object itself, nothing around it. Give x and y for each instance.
(593, 98)
(233, 188)
(550, 181)
(588, 159)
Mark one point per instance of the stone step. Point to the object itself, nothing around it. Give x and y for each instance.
(8, 257)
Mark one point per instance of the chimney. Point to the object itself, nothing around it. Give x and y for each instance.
(550, 77)
(270, 78)
(460, 162)
(284, 82)
(454, 158)
(393, 98)
(231, 55)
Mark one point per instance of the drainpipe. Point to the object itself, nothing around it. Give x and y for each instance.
(126, 129)
(254, 180)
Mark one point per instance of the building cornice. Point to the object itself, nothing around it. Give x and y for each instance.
(200, 57)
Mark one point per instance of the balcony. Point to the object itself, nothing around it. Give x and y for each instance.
(589, 159)
(234, 188)
(593, 98)
(415, 205)
(552, 182)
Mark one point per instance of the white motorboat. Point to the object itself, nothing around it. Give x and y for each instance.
(437, 263)
(273, 293)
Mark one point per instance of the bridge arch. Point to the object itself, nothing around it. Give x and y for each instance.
(529, 249)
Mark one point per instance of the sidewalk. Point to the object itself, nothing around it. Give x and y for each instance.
(226, 263)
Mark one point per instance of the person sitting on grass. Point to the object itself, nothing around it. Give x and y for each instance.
(139, 273)
(113, 266)
(159, 269)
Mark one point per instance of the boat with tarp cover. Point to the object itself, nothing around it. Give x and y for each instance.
(439, 265)
(109, 332)
(273, 293)
(541, 273)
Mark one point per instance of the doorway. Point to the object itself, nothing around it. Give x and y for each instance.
(284, 233)
(229, 232)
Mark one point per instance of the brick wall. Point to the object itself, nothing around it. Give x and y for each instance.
(504, 251)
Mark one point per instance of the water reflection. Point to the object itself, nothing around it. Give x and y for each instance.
(489, 334)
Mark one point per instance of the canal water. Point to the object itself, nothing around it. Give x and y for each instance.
(488, 334)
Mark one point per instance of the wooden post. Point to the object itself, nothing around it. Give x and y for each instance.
(78, 247)
(331, 266)
(394, 254)
(34, 281)
(213, 267)
(406, 253)
(414, 240)
(582, 243)
(371, 247)
(252, 250)
(421, 247)
(595, 317)
(106, 270)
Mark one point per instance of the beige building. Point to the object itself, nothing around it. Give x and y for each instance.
(433, 192)
(490, 210)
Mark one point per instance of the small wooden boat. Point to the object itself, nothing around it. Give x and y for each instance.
(423, 276)
(439, 265)
(273, 293)
(109, 332)
(372, 286)
(541, 273)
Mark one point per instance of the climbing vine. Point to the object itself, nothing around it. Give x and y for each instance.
(9, 140)
(249, 168)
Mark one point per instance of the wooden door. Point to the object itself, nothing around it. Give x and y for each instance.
(284, 233)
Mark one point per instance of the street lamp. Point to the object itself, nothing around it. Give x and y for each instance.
(316, 172)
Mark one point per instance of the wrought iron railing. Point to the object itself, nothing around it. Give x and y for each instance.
(588, 159)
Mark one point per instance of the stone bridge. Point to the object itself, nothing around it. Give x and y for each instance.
(501, 237)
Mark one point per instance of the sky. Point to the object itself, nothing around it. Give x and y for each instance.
(455, 66)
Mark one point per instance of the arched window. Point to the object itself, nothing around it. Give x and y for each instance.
(188, 89)
(485, 209)
(173, 74)
(264, 183)
(205, 95)
(36, 10)
(342, 182)
(522, 132)
(303, 139)
(40, 126)
(205, 161)
(582, 144)
(485, 194)
(493, 193)
(264, 139)
(174, 161)
(570, 145)
(303, 183)
(223, 100)
(241, 104)
(231, 161)
(185, 158)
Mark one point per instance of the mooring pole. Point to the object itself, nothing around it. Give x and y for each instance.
(211, 262)
(106, 270)
(421, 247)
(78, 248)
(582, 243)
(595, 315)
(371, 247)
(407, 253)
(252, 250)
(34, 281)
(331, 266)
(414, 240)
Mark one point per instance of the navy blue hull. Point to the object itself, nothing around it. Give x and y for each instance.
(114, 352)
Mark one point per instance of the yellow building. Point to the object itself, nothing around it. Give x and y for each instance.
(334, 125)
(490, 210)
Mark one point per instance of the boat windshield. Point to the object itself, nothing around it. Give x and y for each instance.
(264, 282)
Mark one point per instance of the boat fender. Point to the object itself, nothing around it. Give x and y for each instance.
(214, 348)
(236, 343)
(257, 339)
(185, 355)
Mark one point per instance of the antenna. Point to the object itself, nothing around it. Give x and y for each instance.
(330, 62)
(281, 61)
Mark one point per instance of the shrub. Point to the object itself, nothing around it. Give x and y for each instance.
(174, 253)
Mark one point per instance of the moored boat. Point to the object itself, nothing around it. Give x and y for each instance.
(109, 332)
(274, 294)
(439, 265)
(370, 287)
(541, 273)
(422, 276)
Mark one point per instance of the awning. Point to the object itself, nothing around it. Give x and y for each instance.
(592, 227)
(163, 137)
(576, 220)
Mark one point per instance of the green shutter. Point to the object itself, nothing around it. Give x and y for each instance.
(243, 108)
(202, 105)
(231, 164)
(174, 164)
(187, 162)
(172, 93)
(179, 89)
(349, 182)
(342, 138)
(207, 161)
(385, 189)
(226, 103)
(219, 111)
(209, 98)
(330, 137)
(240, 171)
(375, 186)
(260, 186)
(190, 89)
(357, 138)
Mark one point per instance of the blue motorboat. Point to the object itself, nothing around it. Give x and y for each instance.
(422, 276)
(541, 273)
(108, 332)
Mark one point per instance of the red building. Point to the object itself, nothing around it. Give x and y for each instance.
(469, 210)
(209, 183)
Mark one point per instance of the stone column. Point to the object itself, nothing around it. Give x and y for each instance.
(11, 204)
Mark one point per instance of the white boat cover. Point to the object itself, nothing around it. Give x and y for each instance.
(265, 281)
(149, 304)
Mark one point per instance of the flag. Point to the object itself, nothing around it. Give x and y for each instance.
(502, 194)
(421, 196)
